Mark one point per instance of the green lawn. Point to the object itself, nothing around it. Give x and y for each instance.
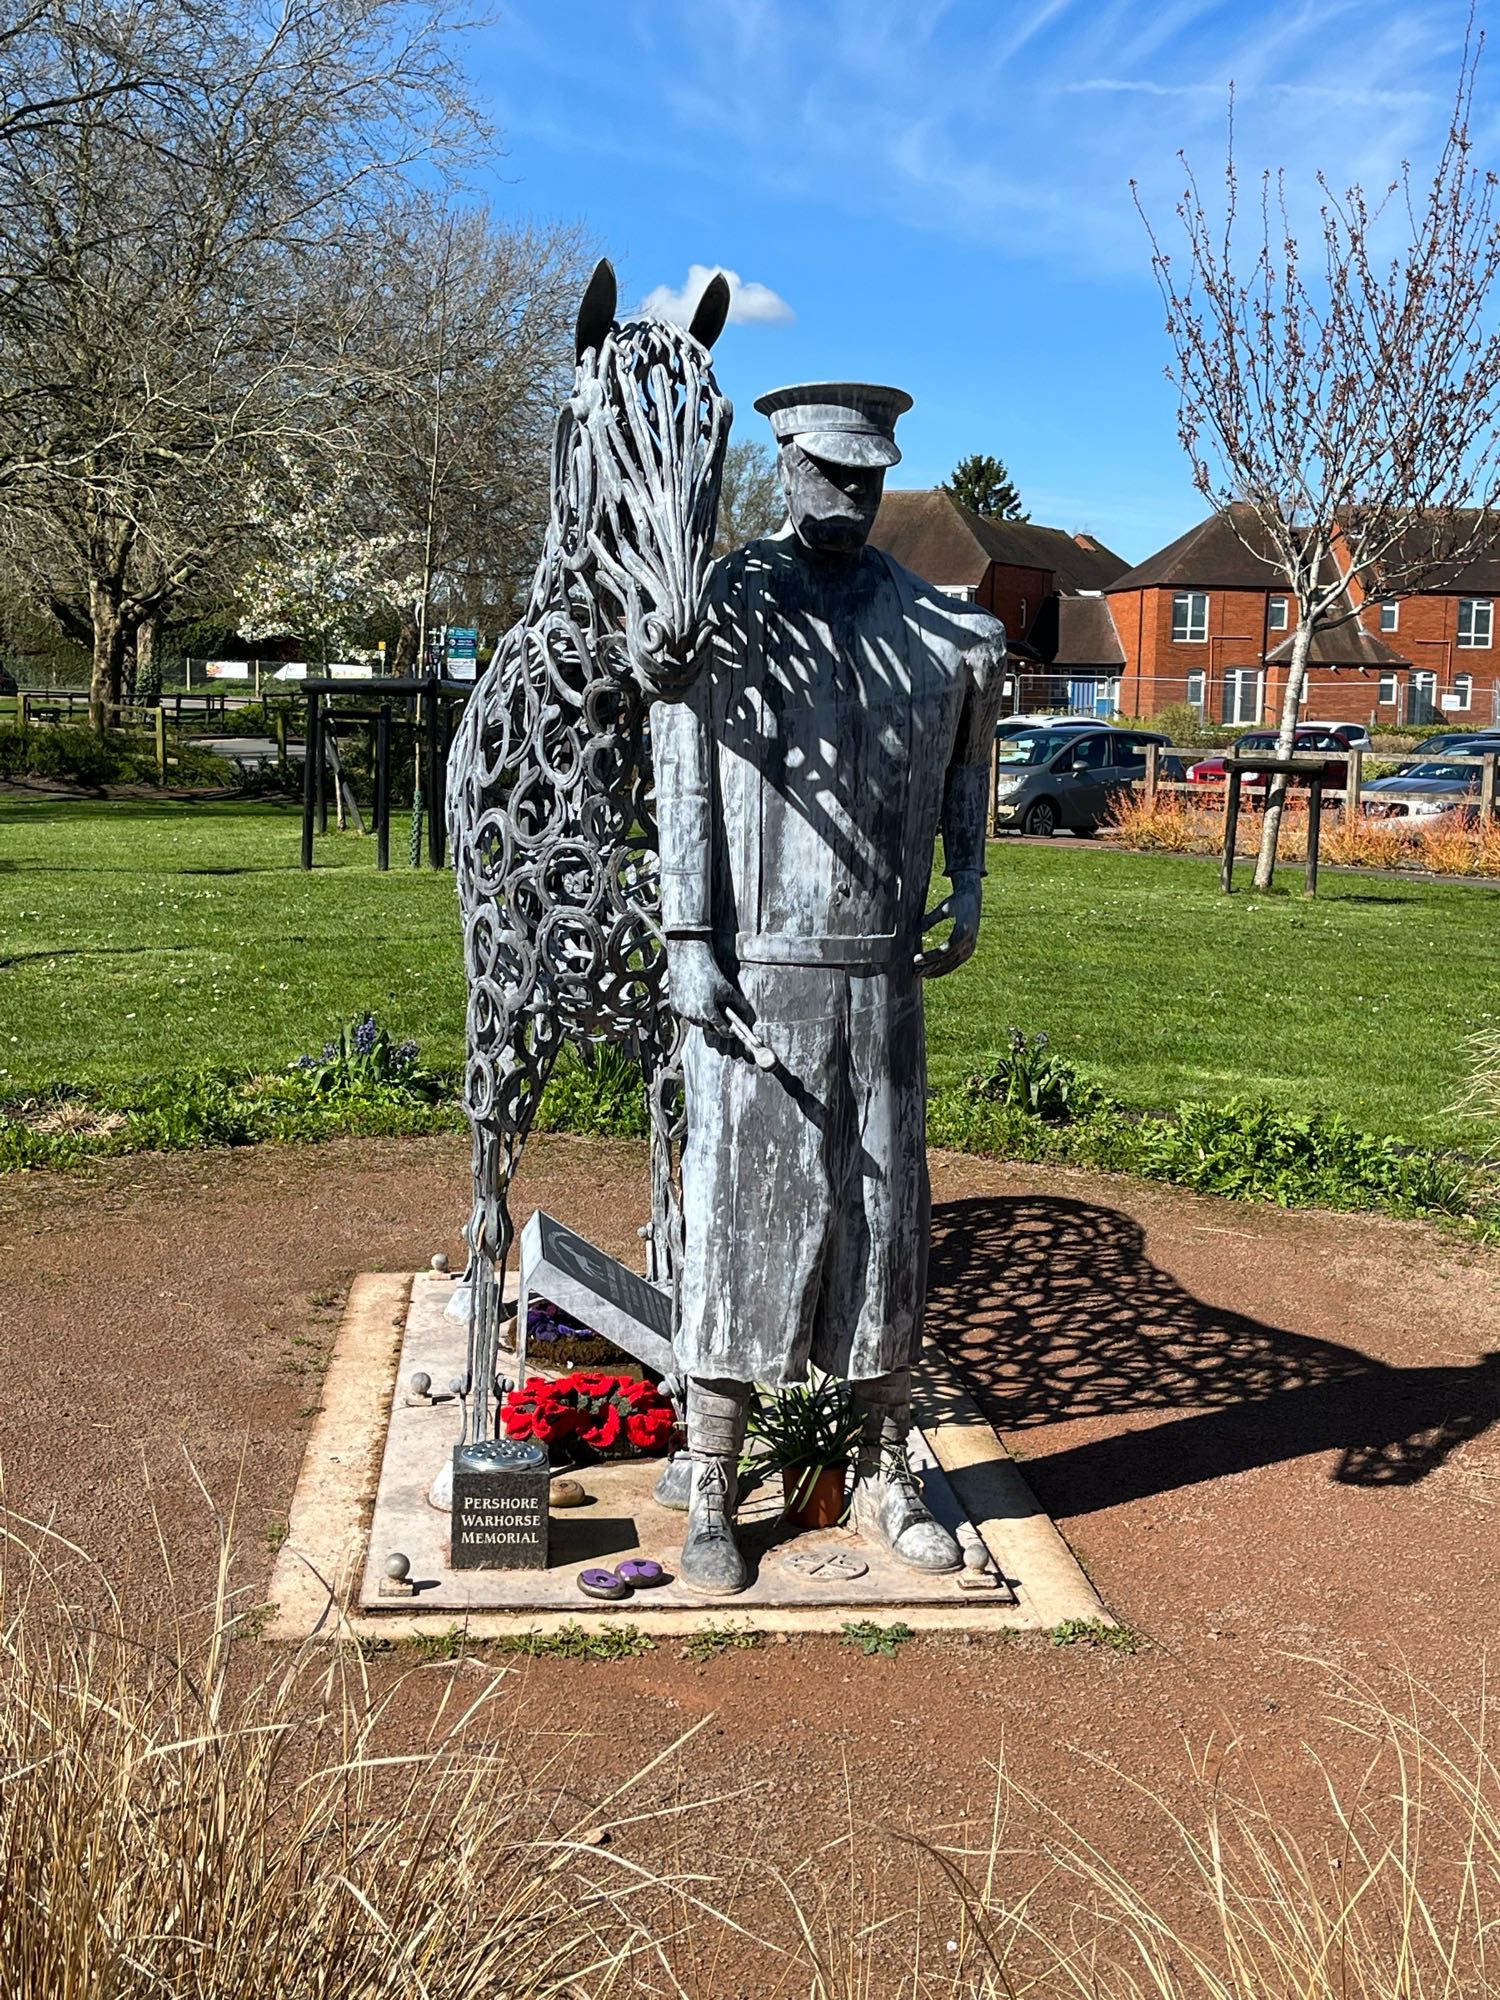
(141, 937)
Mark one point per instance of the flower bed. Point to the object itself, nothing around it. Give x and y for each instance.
(1173, 824)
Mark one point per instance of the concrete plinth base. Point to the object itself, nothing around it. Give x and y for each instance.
(363, 1496)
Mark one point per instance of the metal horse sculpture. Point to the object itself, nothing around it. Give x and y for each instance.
(549, 780)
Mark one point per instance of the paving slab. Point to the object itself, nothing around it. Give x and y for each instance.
(375, 1450)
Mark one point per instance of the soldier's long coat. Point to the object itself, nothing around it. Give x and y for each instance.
(800, 786)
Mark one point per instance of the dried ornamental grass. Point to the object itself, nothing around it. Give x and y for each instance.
(1394, 1894)
(1177, 823)
(187, 1816)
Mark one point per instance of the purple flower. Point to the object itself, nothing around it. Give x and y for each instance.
(366, 1034)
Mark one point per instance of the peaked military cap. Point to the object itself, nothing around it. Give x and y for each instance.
(846, 423)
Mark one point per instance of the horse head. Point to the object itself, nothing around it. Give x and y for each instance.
(637, 461)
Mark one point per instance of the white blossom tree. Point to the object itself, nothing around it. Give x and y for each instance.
(161, 331)
(316, 575)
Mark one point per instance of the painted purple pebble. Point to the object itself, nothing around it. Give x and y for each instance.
(602, 1583)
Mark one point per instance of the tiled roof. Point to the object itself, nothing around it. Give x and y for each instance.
(1209, 556)
(1346, 644)
(945, 542)
(1077, 632)
(1426, 542)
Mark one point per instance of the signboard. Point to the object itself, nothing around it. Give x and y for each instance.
(500, 1505)
(461, 651)
(336, 670)
(597, 1291)
(1450, 701)
(228, 670)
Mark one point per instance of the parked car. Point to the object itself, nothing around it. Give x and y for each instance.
(1434, 746)
(1309, 739)
(1024, 725)
(1355, 734)
(1430, 785)
(1060, 780)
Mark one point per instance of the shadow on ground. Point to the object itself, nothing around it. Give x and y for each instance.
(1053, 1311)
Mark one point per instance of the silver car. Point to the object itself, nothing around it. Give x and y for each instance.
(1061, 780)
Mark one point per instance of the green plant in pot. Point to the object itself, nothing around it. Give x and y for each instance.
(808, 1432)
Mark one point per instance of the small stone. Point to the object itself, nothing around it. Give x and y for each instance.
(440, 1263)
(976, 1556)
(397, 1566)
(458, 1386)
(567, 1493)
(421, 1383)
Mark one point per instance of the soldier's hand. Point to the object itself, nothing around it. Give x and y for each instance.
(961, 908)
(700, 991)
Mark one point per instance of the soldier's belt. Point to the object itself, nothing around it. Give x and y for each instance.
(779, 948)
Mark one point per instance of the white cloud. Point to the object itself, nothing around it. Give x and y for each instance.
(749, 304)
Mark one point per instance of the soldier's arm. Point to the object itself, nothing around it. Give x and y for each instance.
(966, 788)
(966, 794)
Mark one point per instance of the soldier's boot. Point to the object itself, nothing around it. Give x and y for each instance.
(716, 1415)
(888, 1507)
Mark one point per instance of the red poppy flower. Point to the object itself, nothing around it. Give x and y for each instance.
(592, 1386)
(649, 1430)
(601, 1431)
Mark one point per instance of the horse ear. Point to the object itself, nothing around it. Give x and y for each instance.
(596, 315)
(711, 310)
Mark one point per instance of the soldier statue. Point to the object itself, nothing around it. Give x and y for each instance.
(842, 715)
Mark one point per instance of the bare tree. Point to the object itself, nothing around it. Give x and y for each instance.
(156, 246)
(463, 345)
(1341, 404)
(751, 504)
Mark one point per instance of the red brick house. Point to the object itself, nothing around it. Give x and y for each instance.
(1205, 621)
(1047, 586)
(1449, 634)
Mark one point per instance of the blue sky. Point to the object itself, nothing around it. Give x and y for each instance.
(936, 193)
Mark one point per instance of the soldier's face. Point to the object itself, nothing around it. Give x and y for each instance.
(832, 507)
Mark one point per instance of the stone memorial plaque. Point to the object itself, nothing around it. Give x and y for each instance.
(500, 1492)
(827, 1566)
(599, 1291)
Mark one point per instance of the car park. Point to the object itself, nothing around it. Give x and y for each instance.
(1309, 741)
(1061, 780)
(1430, 786)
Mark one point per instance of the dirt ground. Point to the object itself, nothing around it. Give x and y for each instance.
(1271, 1439)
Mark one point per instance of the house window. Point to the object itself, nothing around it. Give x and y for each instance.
(1242, 694)
(1190, 616)
(1476, 617)
(1463, 690)
(1390, 619)
(1387, 682)
(1195, 691)
(1276, 618)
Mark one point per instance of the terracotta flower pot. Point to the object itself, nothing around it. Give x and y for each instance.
(816, 1500)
